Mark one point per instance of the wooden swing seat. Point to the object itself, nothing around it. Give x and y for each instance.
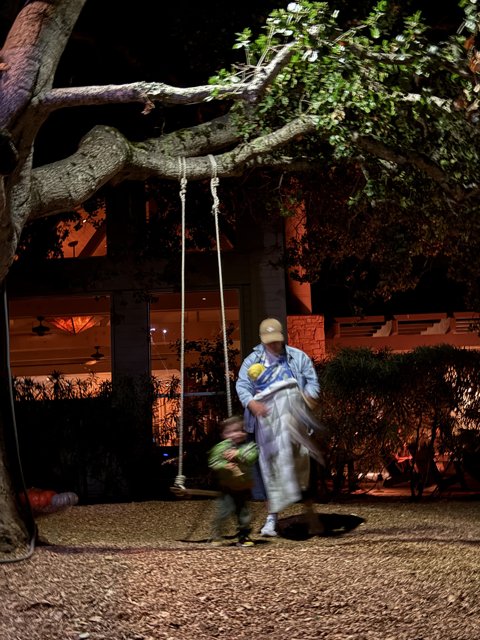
(183, 492)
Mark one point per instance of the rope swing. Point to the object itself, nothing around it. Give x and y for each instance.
(214, 182)
(179, 485)
(180, 479)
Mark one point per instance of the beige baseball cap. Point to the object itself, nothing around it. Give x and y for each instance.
(271, 330)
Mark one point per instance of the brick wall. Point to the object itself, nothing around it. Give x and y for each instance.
(307, 333)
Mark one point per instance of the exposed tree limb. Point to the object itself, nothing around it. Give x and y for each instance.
(54, 191)
(230, 163)
(198, 140)
(150, 92)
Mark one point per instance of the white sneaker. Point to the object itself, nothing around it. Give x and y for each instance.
(268, 528)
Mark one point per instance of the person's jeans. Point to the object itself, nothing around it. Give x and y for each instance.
(230, 503)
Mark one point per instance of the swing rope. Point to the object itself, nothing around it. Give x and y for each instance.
(180, 479)
(214, 182)
(179, 483)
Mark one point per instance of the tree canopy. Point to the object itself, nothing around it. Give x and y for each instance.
(373, 108)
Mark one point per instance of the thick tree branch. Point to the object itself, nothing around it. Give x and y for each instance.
(54, 191)
(208, 137)
(229, 164)
(53, 186)
(150, 92)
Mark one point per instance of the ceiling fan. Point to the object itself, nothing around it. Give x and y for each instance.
(95, 356)
(40, 329)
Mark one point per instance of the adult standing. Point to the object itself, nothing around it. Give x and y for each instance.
(274, 385)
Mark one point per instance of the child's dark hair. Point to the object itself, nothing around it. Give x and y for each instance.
(224, 424)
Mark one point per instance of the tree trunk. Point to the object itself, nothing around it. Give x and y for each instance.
(14, 534)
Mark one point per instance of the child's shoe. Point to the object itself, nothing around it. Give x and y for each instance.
(269, 528)
(245, 541)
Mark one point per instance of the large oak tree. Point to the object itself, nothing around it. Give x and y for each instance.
(375, 95)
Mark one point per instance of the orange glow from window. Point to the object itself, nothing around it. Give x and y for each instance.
(75, 324)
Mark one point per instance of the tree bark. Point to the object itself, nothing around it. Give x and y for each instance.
(14, 533)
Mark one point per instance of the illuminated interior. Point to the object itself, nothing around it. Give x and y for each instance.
(60, 334)
(67, 334)
(202, 321)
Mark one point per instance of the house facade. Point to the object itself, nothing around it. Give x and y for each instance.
(108, 310)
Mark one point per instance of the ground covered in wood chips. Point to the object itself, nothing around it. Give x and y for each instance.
(145, 571)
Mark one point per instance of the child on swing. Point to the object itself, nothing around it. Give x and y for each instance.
(232, 460)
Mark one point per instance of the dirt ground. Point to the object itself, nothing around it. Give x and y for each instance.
(145, 571)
